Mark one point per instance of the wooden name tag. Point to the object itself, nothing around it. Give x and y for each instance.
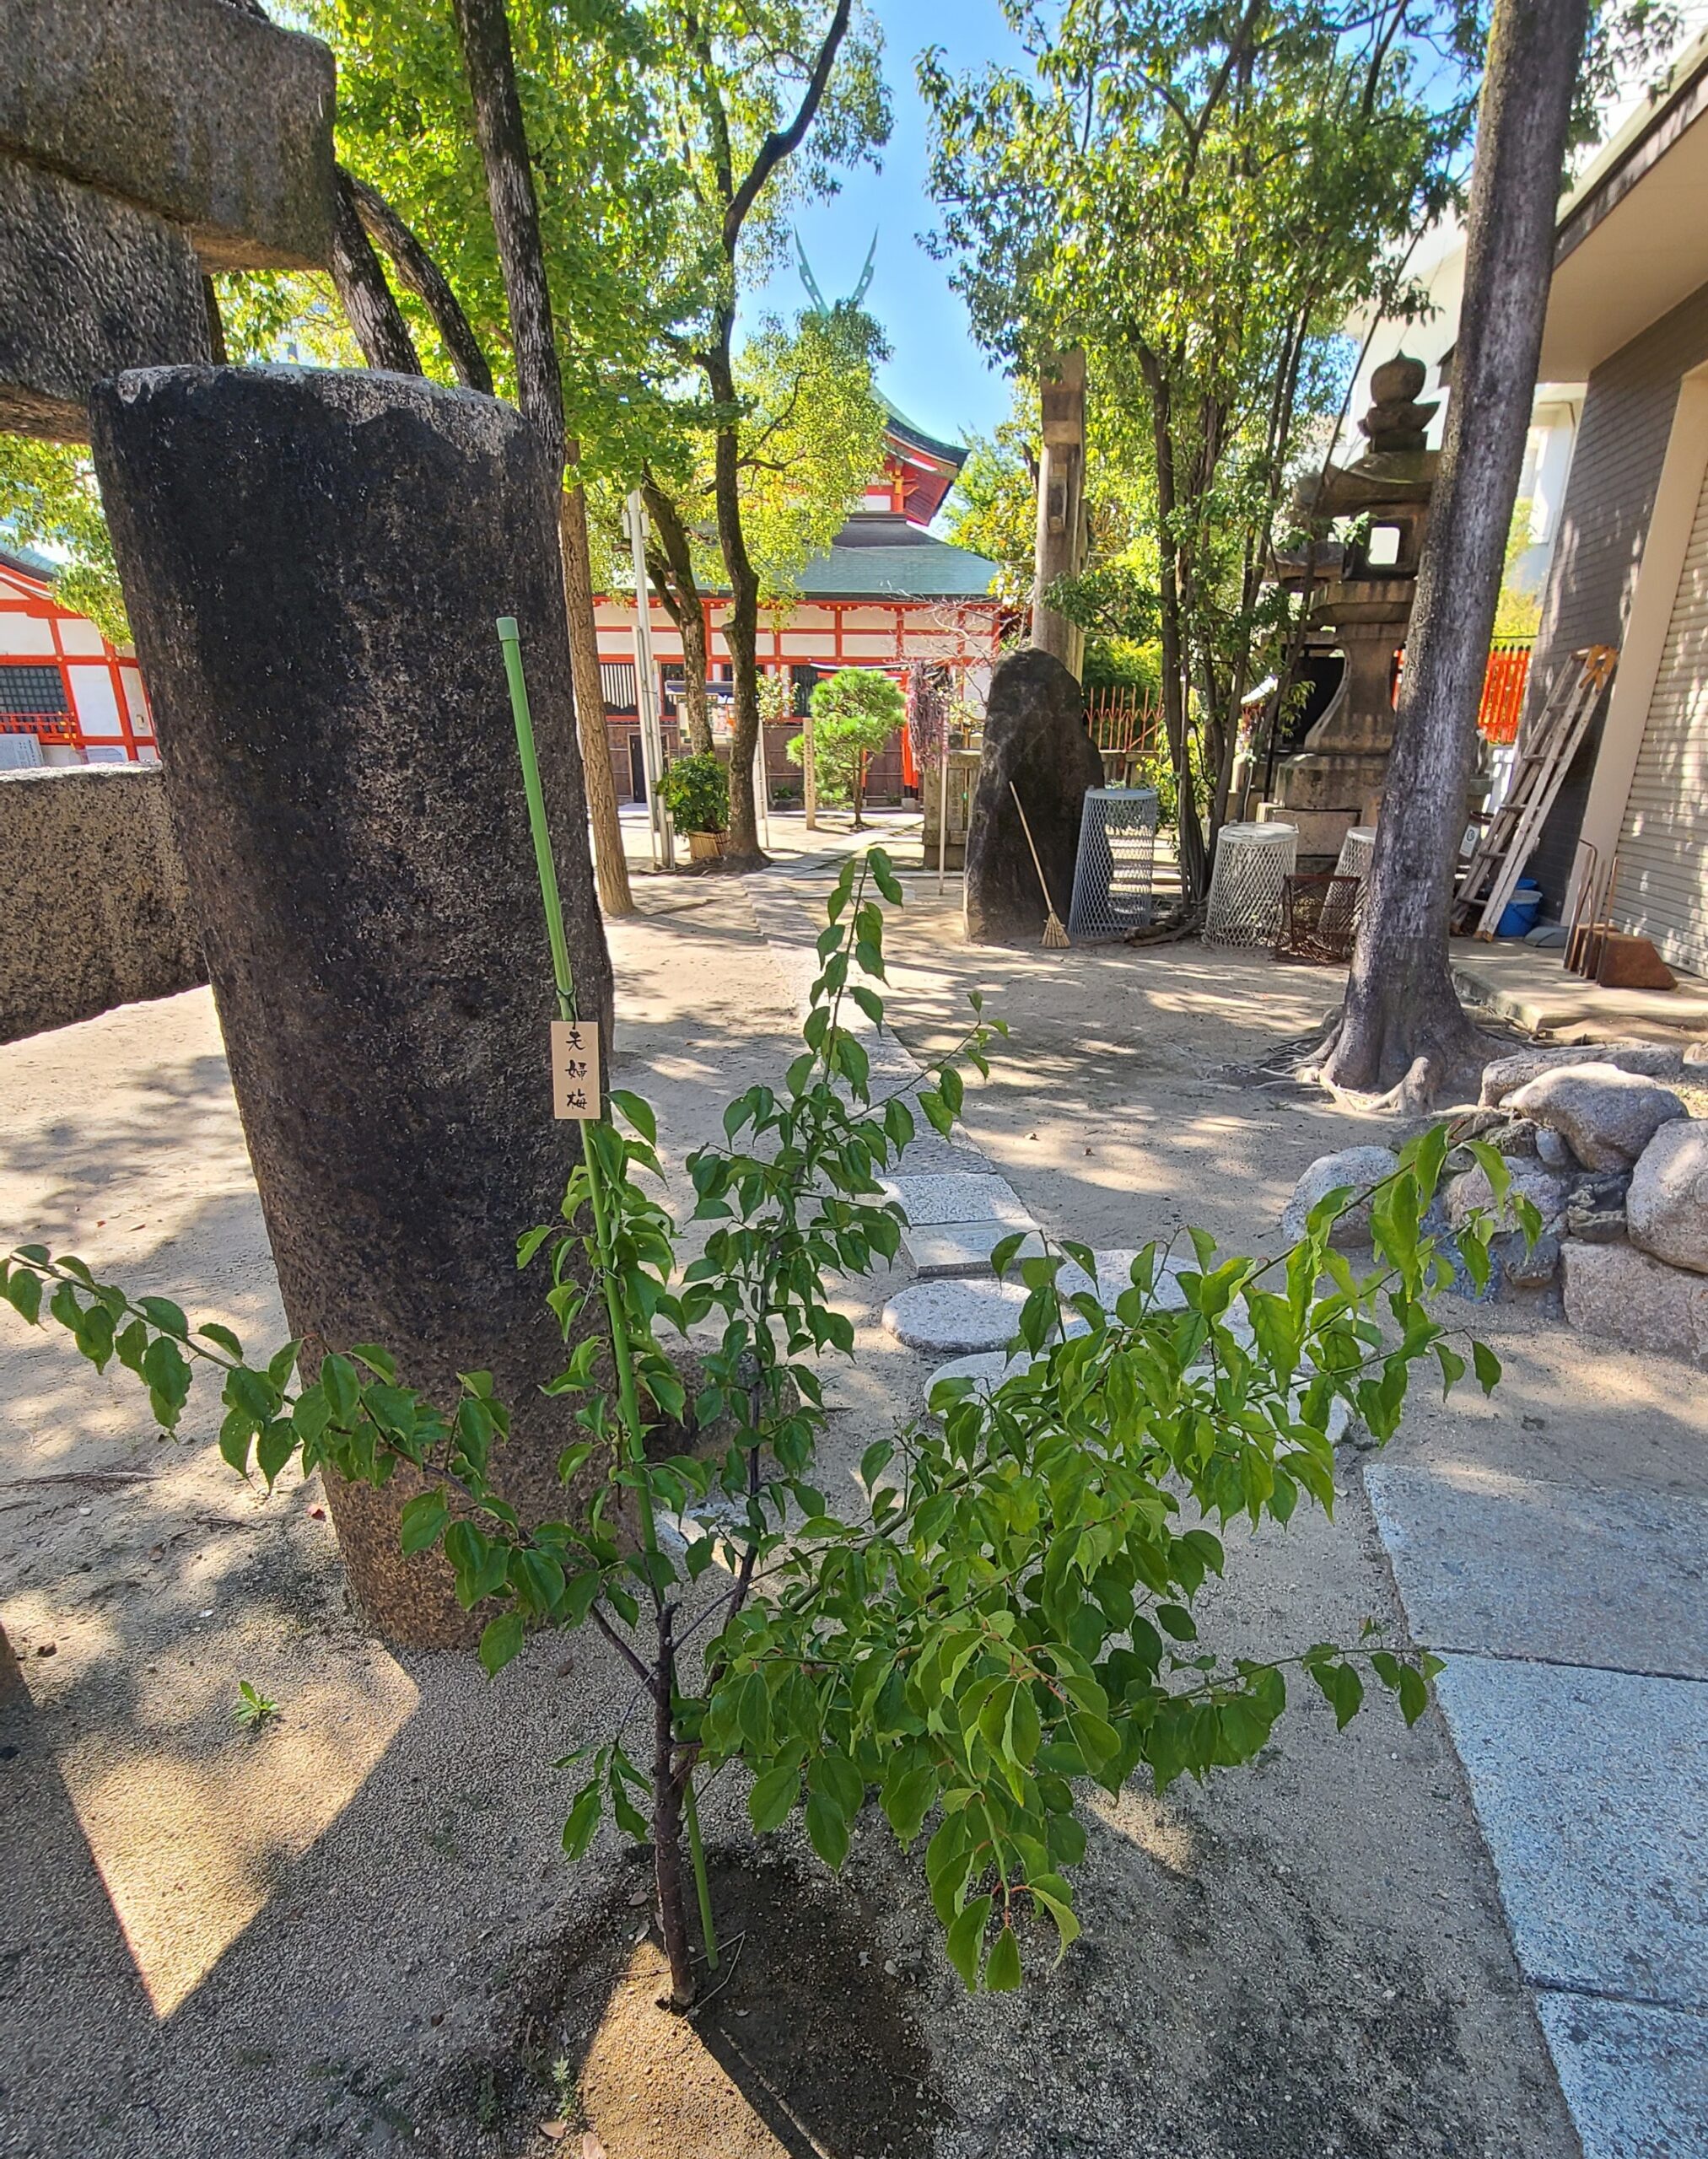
(575, 1068)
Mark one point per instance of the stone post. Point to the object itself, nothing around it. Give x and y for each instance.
(1060, 548)
(315, 563)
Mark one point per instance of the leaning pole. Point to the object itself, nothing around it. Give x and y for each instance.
(314, 562)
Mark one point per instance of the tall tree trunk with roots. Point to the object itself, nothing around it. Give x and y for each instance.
(1403, 1033)
(484, 31)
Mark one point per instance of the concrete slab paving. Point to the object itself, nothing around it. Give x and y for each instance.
(950, 1319)
(1513, 1566)
(1592, 1789)
(959, 1197)
(962, 1249)
(1635, 2078)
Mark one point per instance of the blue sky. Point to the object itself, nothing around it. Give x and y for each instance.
(935, 374)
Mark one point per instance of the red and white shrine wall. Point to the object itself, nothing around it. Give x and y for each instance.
(814, 637)
(62, 682)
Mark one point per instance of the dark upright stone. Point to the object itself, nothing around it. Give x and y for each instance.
(314, 563)
(1036, 739)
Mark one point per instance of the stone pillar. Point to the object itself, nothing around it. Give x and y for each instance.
(315, 563)
(1059, 547)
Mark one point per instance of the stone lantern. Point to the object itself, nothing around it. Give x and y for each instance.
(1359, 597)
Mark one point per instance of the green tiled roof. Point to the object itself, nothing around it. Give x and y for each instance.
(921, 569)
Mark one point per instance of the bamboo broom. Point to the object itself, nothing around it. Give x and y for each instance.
(1055, 938)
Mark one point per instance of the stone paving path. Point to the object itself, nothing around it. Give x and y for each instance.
(1574, 1621)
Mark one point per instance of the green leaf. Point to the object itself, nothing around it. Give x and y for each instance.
(827, 1827)
(422, 1522)
(1488, 1366)
(772, 1800)
(584, 1818)
(908, 1801)
(1413, 1693)
(967, 1938)
(501, 1638)
(222, 1338)
(162, 1314)
(1003, 1251)
(274, 1449)
(638, 1112)
(1002, 1971)
(23, 1292)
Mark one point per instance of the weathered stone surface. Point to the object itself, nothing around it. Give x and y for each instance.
(194, 109)
(1525, 1266)
(1551, 1150)
(1506, 1075)
(1667, 1207)
(88, 286)
(1596, 1210)
(1547, 1189)
(1357, 1166)
(1631, 2073)
(1623, 1296)
(1035, 739)
(314, 562)
(98, 908)
(1606, 1117)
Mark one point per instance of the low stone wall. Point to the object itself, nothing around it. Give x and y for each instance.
(94, 910)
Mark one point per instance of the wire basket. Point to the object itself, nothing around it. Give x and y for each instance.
(1114, 873)
(1319, 918)
(1253, 864)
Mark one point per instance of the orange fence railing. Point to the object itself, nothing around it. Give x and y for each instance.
(1503, 689)
(1123, 720)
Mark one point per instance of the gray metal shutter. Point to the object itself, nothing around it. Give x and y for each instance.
(1663, 844)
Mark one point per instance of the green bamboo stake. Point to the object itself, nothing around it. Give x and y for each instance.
(703, 1887)
(509, 638)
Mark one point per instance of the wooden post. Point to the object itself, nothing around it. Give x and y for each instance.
(1060, 550)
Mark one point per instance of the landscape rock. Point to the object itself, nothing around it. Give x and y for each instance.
(1519, 1137)
(1596, 1211)
(1507, 1074)
(1530, 1267)
(1667, 1207)
(1036, 740)
(1548, 1190)
(1357, 1166)
(1623, 1296)
(1552, 1150)
(1606, 1116)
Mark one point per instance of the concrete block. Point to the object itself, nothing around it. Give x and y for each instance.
(950, 1319)
(1591, 1788)
(98, 908)
(1512, 1566)
(193, 108)
(88, 286)
(1634, 2077)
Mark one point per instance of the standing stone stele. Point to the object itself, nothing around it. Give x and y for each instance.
(315, 563)
(1036, 740)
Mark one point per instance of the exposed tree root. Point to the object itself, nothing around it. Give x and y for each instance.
(1415, 1070)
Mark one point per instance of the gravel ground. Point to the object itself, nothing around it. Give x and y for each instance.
(352, 1930)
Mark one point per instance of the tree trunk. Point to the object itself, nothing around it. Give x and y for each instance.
(860, 789)
(1195, 862)
(671, 569)
(610, 866)
(1404, 1032)
(809, 772)
(416, 269)
(484, 29)
(667, 1820)
(741, 628)
(373, 315)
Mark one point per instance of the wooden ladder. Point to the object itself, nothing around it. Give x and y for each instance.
(1545, 751)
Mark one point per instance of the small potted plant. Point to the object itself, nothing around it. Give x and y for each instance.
(696, 791)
